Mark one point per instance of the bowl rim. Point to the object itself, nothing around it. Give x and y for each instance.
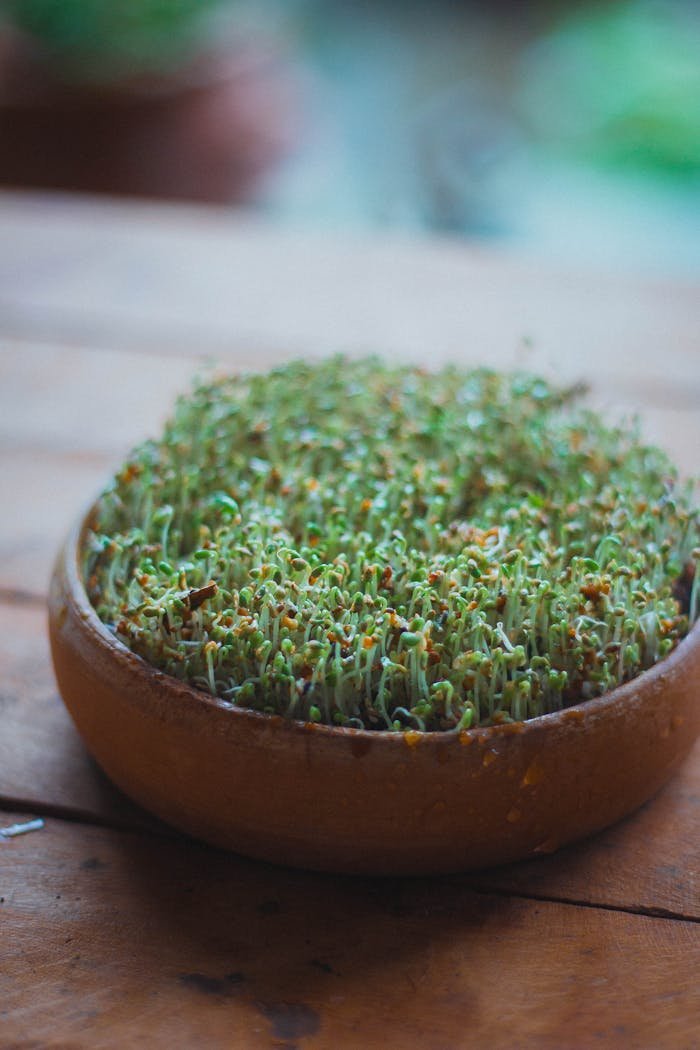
(69, 555)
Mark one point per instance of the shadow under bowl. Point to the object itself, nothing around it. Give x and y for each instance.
(357, 801)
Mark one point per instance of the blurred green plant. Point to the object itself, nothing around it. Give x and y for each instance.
(618, 85)
(106, 40)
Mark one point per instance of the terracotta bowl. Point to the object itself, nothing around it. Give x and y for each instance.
(349, 800)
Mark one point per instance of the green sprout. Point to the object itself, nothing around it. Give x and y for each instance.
(387, 548)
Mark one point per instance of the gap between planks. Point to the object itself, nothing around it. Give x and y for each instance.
(124, 940)
(10, 808)
(16, 596)
(649, 860)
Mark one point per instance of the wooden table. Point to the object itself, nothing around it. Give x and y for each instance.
(116, 932)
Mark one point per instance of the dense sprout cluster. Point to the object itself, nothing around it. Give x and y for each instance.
(388, 548)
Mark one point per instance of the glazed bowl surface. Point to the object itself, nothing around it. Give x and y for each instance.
(360, 801)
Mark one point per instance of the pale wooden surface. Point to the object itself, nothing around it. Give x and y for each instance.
(125, 934)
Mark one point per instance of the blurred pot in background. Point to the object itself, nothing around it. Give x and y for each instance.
(616, 86)
(162, 98)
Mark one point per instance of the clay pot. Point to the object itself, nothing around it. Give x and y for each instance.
(349, 800)
(207, 132)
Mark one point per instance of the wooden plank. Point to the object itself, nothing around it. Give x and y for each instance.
(72, 399)
(62, 399)
(43, 764)
(49, 478)
(169, 943)
(114, 939)
(67, 418)
(43, 493)
(651, 862)
(193, 280)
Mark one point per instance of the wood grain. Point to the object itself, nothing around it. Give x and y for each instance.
(649, 862)
(201, 280)
(174, 945)
(68, 417)
(44, 493)
(112, 938)
(44, 766)
(63, 399)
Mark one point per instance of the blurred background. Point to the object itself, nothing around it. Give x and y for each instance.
(568, 130)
